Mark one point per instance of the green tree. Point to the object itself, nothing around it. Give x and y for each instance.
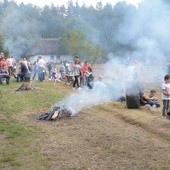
(19, 31)
(76, 44)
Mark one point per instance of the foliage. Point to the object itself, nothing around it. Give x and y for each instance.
(77, 44)
(21, 140)
(24, 24)
(20, 34)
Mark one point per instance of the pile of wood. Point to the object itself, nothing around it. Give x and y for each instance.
(55, 113)
(26, 87)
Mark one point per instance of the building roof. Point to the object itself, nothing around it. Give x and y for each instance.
(45, 46)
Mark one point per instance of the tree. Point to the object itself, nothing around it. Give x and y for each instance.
(76, 44)
(19, 31)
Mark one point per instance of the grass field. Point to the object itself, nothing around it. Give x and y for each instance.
(108, 136)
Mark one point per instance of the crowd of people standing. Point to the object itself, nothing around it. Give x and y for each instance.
(80, 72)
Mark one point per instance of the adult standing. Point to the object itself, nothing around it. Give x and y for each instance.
(9, 64)
(14, 64)
(87, 74)
(41, 69)
(35, 68)
(49, 66)
(76, 73)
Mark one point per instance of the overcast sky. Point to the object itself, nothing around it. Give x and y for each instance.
(61, 2)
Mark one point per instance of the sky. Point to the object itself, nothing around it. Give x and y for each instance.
(41, 3)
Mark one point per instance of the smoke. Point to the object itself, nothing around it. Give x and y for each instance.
(145, 29)
(119, 76)
(19, 31)
(85, 98)
(148, 32)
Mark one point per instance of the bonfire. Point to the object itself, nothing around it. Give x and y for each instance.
(56, 112)
(25, 87)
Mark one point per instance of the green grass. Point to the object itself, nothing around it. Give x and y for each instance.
(20, 146)
(100, 137)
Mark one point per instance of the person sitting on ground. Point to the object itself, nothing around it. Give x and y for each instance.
(23, 71)
(4, 74)
(151, 99)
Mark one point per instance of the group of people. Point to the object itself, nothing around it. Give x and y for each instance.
(24, 71)
(7, 67)
(79, 72)
(82, 75)
(135, 97)
(152, 99)
(165, 90)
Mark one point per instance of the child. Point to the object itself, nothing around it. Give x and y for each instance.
(76, 73)
(152, 99)
(54, 75)
(166, 95)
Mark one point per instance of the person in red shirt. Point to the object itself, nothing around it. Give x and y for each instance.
(86, 71)
(2, 62)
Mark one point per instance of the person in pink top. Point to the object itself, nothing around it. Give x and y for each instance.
(9, 64)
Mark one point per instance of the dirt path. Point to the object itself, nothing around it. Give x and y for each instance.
(106, 137)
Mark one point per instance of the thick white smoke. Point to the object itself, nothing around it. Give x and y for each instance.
(149, 33)
(19, 31)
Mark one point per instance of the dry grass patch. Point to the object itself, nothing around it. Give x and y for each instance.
(108, 136)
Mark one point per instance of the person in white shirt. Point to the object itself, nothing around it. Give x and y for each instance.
(41, 69)
(166, 95)
(76, 73)
(35, 68)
